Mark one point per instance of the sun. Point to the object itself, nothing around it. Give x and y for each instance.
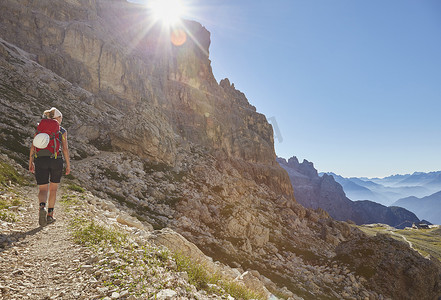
(169, 12)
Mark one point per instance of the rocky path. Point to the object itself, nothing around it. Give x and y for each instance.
(41, 262)
(45, 262)
(404, 238)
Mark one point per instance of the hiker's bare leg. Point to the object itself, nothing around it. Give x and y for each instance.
(53, 187)
(42, 193)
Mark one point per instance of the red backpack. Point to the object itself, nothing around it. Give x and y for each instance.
(52, 128)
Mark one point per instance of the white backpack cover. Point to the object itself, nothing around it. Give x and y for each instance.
(41, 140)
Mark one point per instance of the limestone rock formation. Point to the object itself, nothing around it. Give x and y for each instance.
(169, 92)
(150, 129)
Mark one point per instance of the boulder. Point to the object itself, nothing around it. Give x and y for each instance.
(133, 222)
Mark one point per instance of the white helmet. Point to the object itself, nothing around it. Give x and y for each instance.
(41, 140)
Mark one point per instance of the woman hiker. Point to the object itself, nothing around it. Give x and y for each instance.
(47, 163)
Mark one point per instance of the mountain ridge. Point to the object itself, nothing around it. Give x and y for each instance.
(428, 207)
(416, 192)
(314, 191)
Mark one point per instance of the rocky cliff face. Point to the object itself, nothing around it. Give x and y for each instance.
(324, 192)
(112, 50)
(150, 128)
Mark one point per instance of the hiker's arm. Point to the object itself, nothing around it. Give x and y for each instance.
(66, 153)
(31, 159)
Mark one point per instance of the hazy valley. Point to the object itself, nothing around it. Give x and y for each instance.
(418, 192)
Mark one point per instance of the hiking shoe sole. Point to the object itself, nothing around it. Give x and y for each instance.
(50, 220)
(42, 217)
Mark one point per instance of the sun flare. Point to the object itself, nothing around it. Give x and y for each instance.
(169, 12)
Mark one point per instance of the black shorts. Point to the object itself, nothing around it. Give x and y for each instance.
(48, 168)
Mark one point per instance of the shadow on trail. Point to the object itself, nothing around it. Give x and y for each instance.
(10, 239)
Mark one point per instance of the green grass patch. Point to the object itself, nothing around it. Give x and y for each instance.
(425, 241)
(239, 291)
(138, 268)
(5, 203)
(15, 202)
(198, 276)
(371, 231)
(70, 202)
(9, 174)
(70, 177)
(88, 233)
(8, 216)
(202, 279)
(76, 188)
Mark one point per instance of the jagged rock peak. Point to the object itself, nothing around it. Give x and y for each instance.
(327, 177)
(237, 96)
(293, 162)
(305, 168)
(225, 83)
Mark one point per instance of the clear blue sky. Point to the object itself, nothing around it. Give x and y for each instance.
(355, 86)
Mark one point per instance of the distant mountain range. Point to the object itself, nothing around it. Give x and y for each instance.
(388, 190)
(418, 192)
(314, 191)
(428, 207)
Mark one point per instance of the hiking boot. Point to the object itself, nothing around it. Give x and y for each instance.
(42, 220)
(50, 219)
